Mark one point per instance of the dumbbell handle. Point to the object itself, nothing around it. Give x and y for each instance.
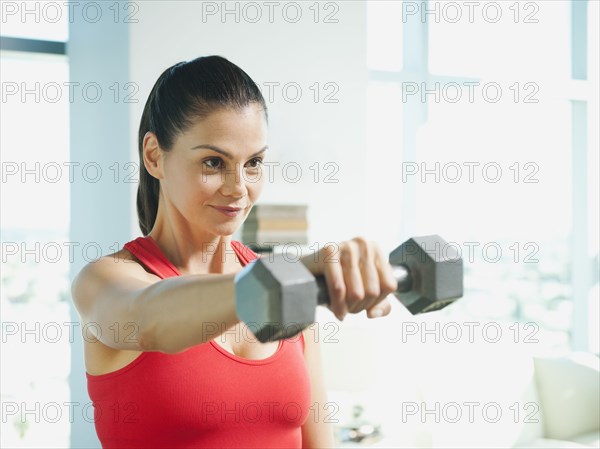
(400, 273)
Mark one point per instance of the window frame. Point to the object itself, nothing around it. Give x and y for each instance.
(578, 90)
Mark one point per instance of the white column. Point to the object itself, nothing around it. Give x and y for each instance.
(99, 134)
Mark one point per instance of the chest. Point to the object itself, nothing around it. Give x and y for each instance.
(240, 341)
(204, 398)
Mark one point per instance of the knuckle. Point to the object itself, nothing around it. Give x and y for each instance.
(330, 247)
(329, 251)
(372, 293)
(339, 309)
(360, 241)
(390, 286)
(345, 244)
(346, 256)
(338, 288)
(365, 246)
(348, 250)
(354, 295)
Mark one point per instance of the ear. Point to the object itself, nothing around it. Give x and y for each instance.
(152, 155)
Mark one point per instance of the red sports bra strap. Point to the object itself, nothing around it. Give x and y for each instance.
(149, 254)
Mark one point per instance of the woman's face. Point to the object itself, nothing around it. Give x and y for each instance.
(216, 164)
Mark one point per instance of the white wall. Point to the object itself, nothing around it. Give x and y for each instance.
(304, 132)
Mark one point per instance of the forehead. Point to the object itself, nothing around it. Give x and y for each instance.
(247, 120)
(238, 132)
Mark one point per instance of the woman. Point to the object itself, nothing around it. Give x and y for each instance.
(168, 362)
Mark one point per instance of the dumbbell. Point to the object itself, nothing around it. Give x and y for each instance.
(277, 298)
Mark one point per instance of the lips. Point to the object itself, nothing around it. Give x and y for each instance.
(228, 209)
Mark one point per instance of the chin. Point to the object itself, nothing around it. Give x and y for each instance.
(226, 230)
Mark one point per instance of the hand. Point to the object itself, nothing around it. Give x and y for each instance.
(358, 277)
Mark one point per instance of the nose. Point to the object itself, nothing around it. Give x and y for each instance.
(233, 183)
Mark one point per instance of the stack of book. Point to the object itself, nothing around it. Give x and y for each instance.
(270, 225)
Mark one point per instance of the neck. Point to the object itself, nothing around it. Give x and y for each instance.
(196, 253)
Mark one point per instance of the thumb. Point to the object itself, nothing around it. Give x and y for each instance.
(380, 309)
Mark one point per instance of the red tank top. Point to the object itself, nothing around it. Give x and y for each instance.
(203, 397)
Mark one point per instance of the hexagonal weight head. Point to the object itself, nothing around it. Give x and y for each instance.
(275, 297)
(435, 276)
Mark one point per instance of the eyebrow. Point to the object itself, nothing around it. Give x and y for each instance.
(225, 153)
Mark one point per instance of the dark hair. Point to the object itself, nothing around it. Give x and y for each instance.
(184, 93)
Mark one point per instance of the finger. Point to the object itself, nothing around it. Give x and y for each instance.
(349, 260)
(334, 277)
(387, 282)
(369, 274)
(380, 309)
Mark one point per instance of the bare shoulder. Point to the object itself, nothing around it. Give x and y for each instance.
(121, 267)
(103, 292)
(121, 263)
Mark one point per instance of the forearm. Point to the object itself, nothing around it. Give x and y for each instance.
(180, 312)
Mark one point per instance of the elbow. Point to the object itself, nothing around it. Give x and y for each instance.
(156, 332)
(148, 335)
(147, 332)
(146, 340)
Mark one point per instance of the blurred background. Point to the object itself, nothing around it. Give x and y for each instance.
(477, 121)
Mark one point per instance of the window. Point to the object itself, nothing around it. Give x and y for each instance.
(34, 142)
(497, 151)
(40, 20)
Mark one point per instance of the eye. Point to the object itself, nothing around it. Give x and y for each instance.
(257, 162)
(215, 163)
(213, 159)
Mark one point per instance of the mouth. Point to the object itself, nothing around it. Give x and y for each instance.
(228, 209)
